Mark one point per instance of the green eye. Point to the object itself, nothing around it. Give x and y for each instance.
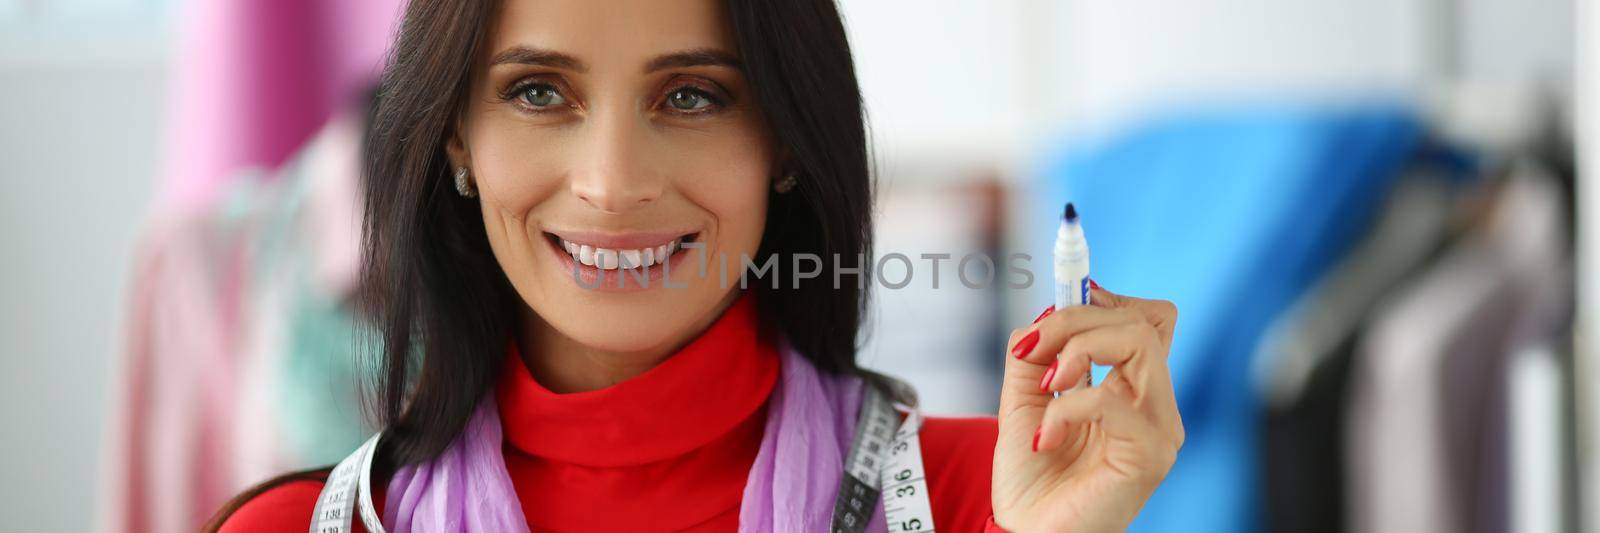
(541, 95)
(687, 99)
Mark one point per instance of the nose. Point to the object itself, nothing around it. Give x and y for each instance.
(614, 174)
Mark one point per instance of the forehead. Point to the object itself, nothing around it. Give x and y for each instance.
(602, 32)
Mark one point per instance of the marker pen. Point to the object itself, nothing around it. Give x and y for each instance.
(1072, 264)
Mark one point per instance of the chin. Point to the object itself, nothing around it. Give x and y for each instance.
(631, 324)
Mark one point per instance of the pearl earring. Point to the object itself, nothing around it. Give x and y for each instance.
(463, 186)
(785, 184)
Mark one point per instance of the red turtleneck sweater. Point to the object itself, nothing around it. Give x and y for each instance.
(668, 450)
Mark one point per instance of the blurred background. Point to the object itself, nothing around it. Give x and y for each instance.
(1378, 218)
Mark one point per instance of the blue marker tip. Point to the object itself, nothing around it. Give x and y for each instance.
(1072, 213)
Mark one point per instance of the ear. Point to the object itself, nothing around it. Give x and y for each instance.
(455, 147)
(782, 164)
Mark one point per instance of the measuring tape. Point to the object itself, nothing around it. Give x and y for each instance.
(905, 488)
(883, 461)
(349, 487)
(880, 457)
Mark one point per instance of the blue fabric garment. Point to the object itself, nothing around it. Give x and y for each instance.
(1229, 213)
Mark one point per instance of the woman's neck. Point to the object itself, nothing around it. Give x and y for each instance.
(563, 365)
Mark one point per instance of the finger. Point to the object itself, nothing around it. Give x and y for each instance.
(1146, 380)
(1121, 345)
(1071, 371)
(1162, 314)
(1115, 414)
(1014, 399)
(1038, 343)
(1155, 397)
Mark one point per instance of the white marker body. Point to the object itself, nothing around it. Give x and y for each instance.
(1071, 265)
(1072, 273)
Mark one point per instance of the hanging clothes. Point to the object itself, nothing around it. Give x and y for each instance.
(1303, 364)
(240, 355)
(1541, 451)
(1426, 422)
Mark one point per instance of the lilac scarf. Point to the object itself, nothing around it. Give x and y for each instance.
(811, 419)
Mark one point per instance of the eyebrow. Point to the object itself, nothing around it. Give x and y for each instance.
(698, 57)
(524, 55)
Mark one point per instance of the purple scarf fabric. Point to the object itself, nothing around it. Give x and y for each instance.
(811, 419)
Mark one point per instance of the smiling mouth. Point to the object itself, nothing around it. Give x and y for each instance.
(604, 258)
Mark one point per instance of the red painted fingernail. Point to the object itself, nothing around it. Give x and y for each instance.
(1093, 285)
(1036, 434)
(1046, 313)
(1025, 346)
(1044, 384)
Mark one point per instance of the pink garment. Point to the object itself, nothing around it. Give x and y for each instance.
(165, 421)
(254, 79)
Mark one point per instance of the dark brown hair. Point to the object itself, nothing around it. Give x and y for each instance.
(442, 309)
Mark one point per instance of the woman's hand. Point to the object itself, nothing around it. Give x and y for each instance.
(1086, 461)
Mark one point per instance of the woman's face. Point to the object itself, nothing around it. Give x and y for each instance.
(609, 134)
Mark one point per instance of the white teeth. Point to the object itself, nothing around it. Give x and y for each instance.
(610, 259)
(605, 258)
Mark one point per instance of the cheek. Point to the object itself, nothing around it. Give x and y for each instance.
(515, 170)
(731, 184)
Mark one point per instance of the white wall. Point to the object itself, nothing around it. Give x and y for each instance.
(942, 78)
(1587, 28)
(79, 117)
(1118, 58)
(974, 78)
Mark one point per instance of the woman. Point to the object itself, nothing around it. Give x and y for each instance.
(547, 180)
